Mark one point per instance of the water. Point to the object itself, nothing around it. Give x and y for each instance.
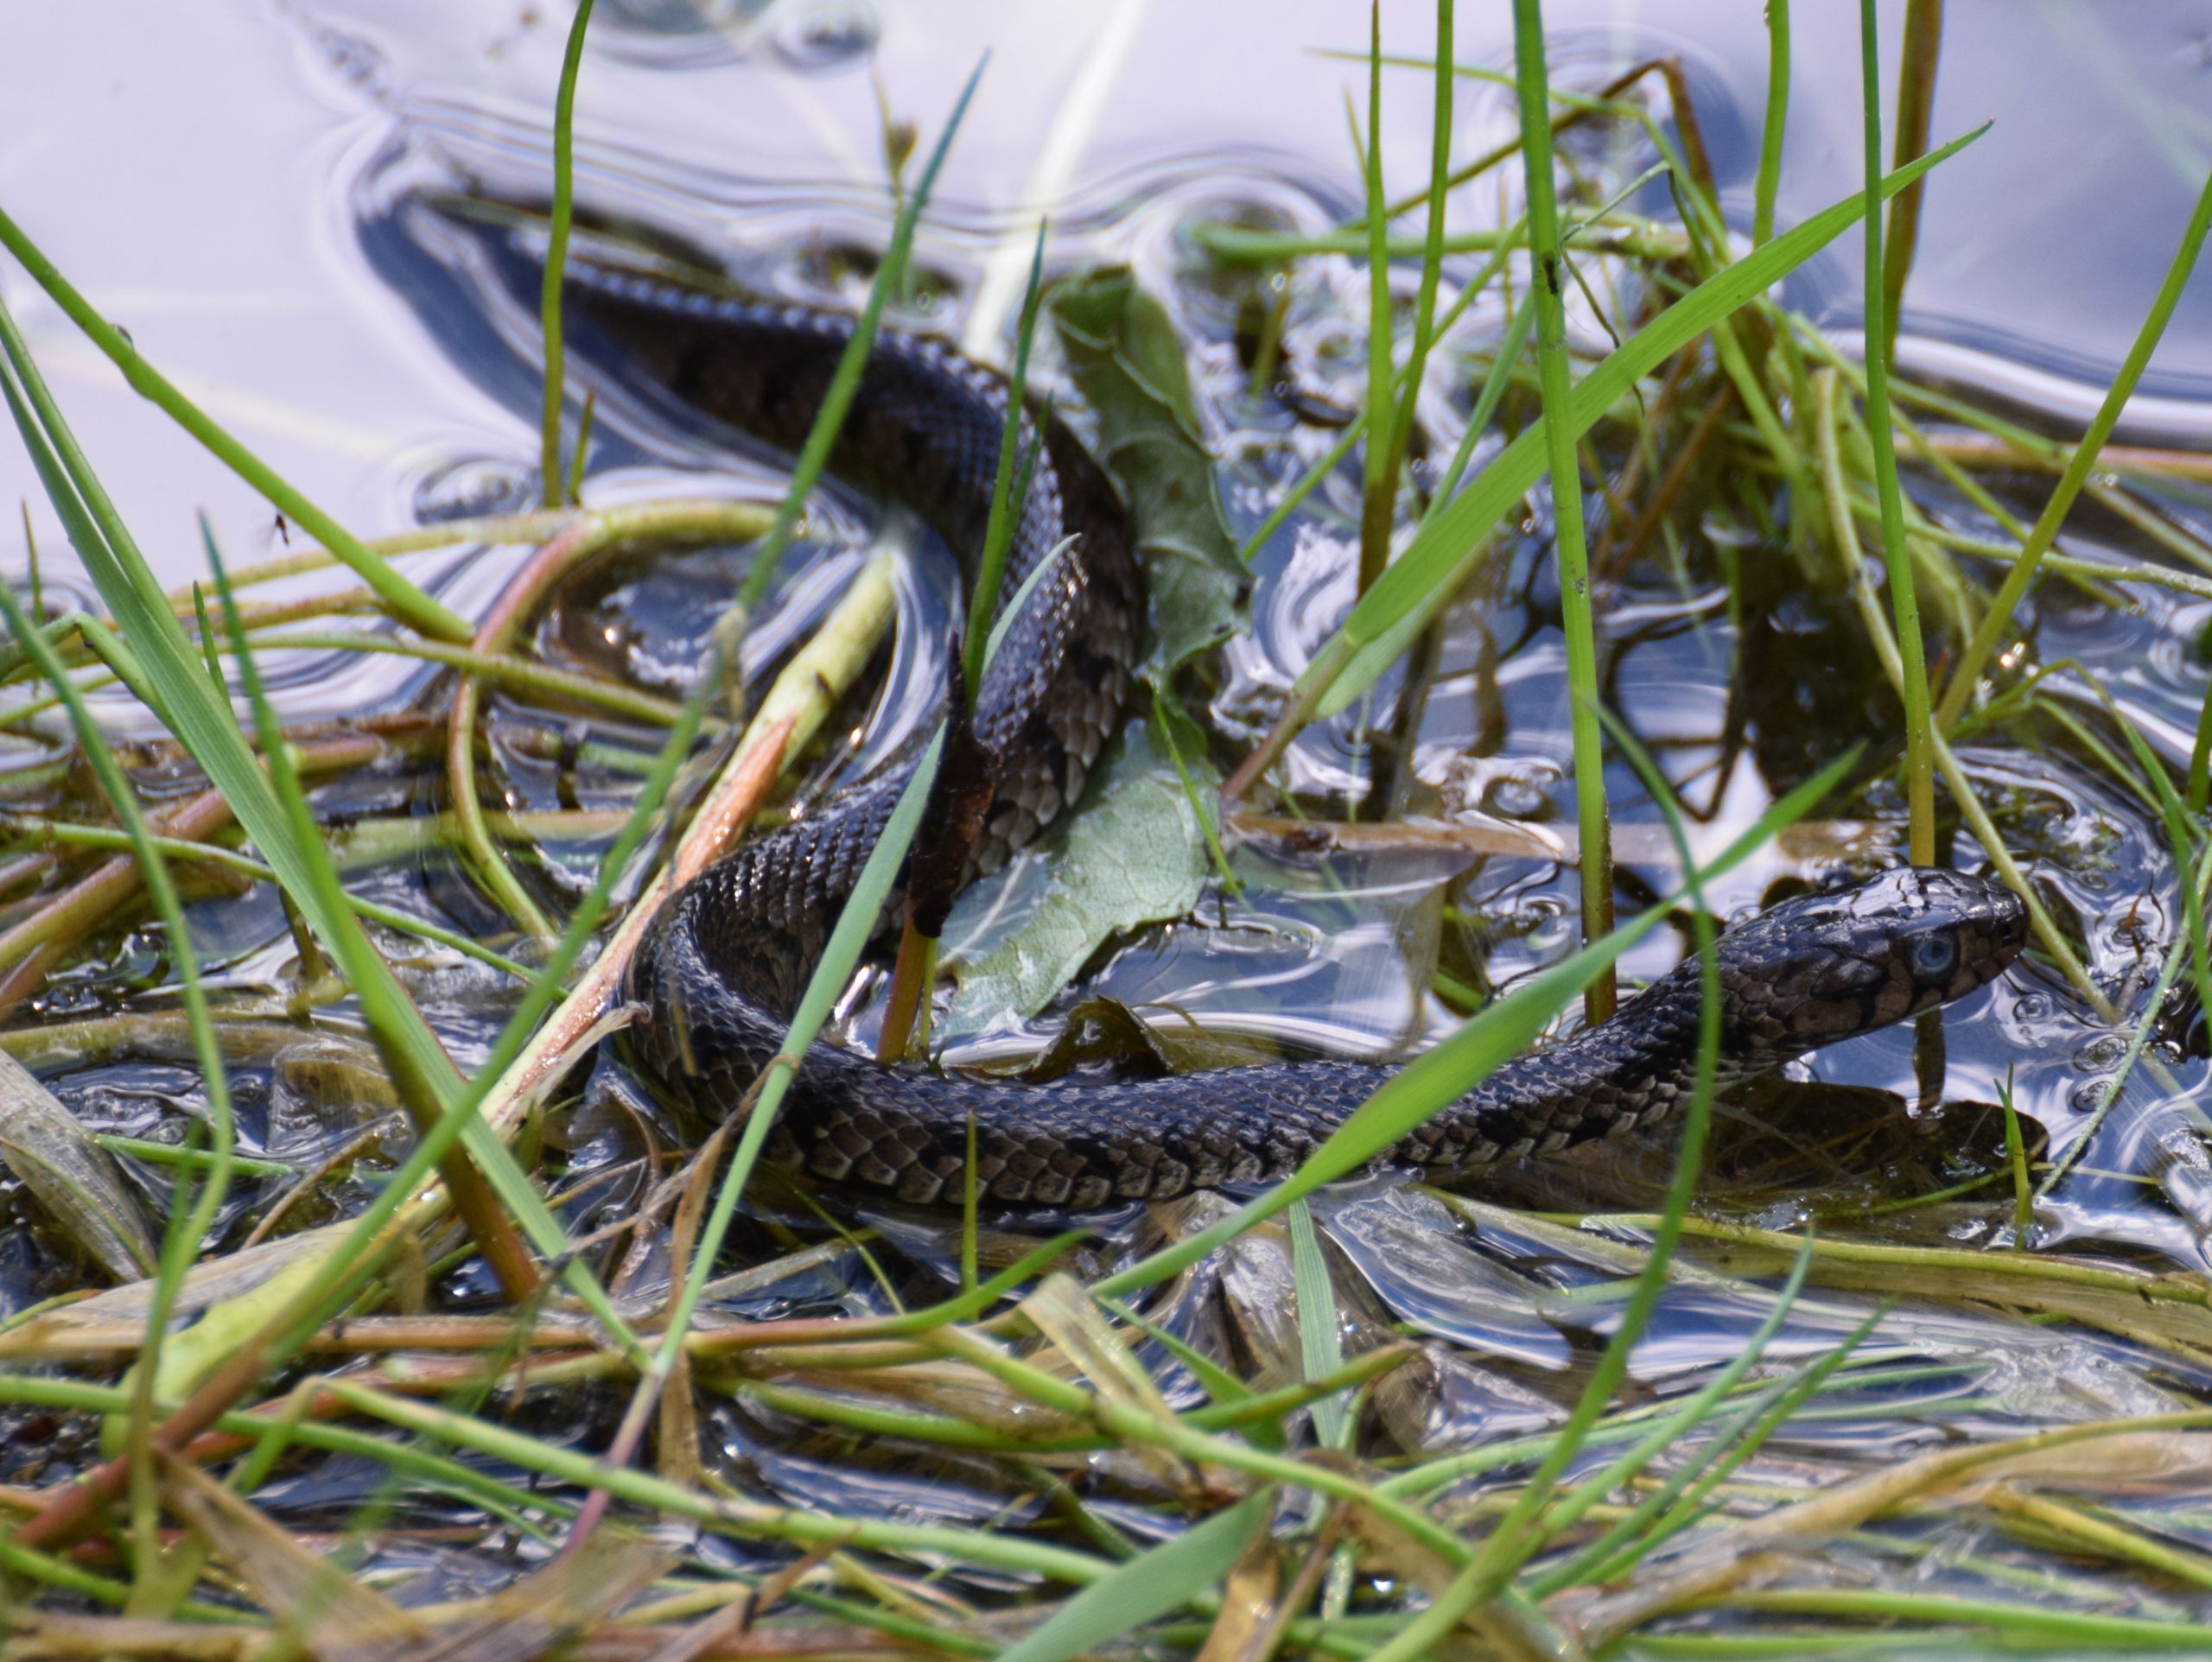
(272, 254)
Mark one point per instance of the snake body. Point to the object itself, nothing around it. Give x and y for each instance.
(724, 964)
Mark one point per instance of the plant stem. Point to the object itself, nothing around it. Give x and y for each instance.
(552, 561)
(1432, 256)
(1923, 44)
(1897, 555)
(1577, 622)
(557, 259)
(1611, 232)
(1379, 486)
(1777, 116)
(1005, 501)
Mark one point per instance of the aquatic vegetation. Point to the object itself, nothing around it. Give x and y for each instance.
(400, 1247)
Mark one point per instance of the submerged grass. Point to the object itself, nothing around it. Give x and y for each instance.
(1153, 1490)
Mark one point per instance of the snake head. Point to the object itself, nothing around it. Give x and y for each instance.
(1830, 967)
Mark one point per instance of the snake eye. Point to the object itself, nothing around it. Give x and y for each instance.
(1933, 956)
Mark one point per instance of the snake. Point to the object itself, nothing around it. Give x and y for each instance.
(724, 962)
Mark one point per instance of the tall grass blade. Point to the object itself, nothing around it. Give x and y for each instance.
(1661, 1437)
(427, 1078)
(556, 264)
(849, 937)
(273, 1325)
(1379, 486)
(1917, 60)
(1509, 349)
(1683, 1498)
(408, 603)
(1432, 253)
(2183, 838)
(195, 1206)
(1518, 1535)
(1149, 1586)
(1006, 507)
(1577, 622)
(1320, 1337)
(1997, 622)
(1769, 182)
(203, 719)
(814, 454)
(1897, 555)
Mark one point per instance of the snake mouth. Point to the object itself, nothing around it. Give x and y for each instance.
(1992, 933)
(2009, 931)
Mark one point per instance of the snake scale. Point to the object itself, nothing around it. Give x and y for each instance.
(723, 964)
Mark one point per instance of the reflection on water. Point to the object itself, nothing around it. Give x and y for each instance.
(750, 128)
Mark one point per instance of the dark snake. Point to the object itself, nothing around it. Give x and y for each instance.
(724, 964)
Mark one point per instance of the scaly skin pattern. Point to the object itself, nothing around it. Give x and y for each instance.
(724, 964)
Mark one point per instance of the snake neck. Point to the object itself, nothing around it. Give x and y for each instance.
(1635, 1069)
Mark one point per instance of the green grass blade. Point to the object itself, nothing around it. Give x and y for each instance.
(2200, 756)
(1432, 253)
(1438, 1077)
(1486, 403)
(1379, 486)
(425, 1074)
(2183, 837)
(1997, 623)
(202, 719)
(1684, 1496)
(2016, 1156)
(848, 938)
(189, 1224)
(1896, 555)
(1569, 548)
(556, 261)
(1320, 1338)
(814, 454)
(1777, 116)
(544, 992)
(1006, 505)
(1518, 1534)
(407, 602)
(1631, 1463)
(1917, 60)
(1149, 1586)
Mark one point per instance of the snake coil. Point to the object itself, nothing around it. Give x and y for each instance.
(724, 964)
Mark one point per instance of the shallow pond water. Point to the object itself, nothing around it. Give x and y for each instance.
(280, 258)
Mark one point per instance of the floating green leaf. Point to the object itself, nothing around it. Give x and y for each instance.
(1135, 855)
